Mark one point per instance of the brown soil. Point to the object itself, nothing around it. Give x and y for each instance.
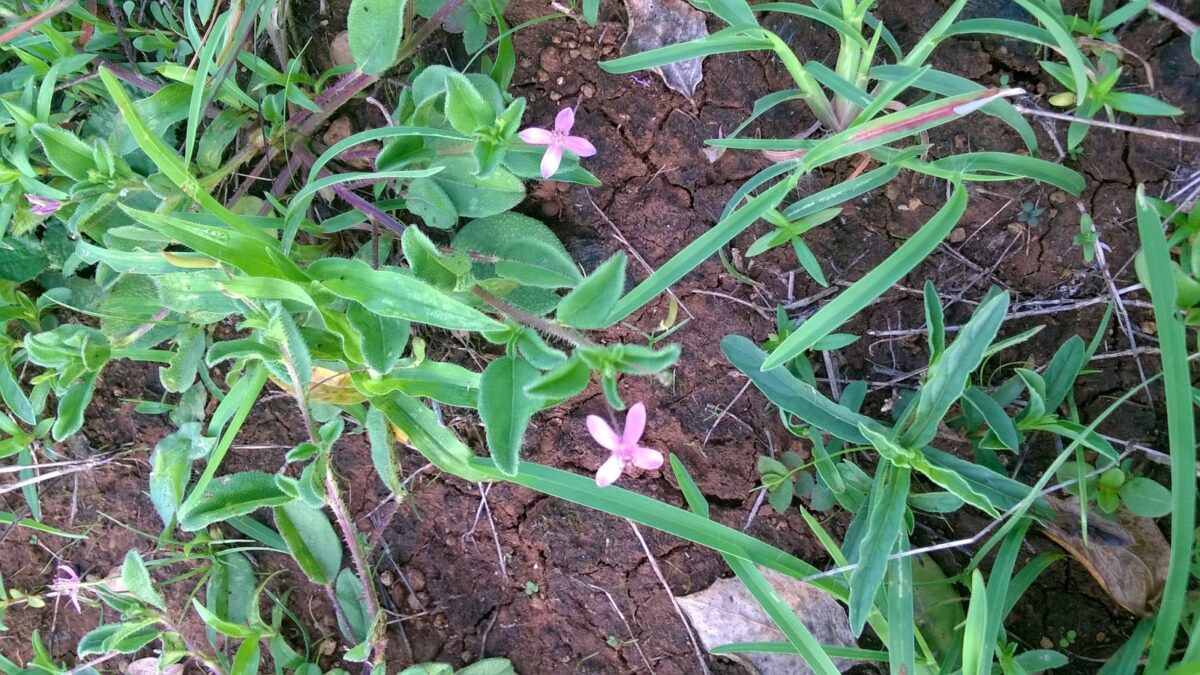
(455, 597)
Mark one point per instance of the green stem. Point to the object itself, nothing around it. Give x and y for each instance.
(810, 90)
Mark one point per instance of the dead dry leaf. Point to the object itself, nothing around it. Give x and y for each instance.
(726, 612)
(1128, 556)
(658, 23)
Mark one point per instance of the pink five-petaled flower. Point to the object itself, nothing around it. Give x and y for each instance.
(558, 140)
(42, 206)
(625, 449)
(68, 585)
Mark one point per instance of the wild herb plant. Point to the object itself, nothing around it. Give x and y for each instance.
(1094, 59)
(344, 283)
(857, 104)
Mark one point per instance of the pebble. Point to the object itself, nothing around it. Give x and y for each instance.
(339, 49)
(958, 235)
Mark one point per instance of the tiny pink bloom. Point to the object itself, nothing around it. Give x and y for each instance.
(68, 585)
(42, 206)
(557, 141)
(624, 447)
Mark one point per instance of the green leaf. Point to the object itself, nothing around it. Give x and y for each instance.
(228, 496)
(120, 638)
(383, 454)
(993, 415)
(525, 249)
(431, 204)
(430, 264)
(947, 378)
(700, 249)
(587, 305)
(11, 393)
(465, 109)
(794, 396)
(397, 295)
(71, 156)
(351, 596)
(884, 519)
(975, 630)
(245, 662)
(474, 196)
(381, 339)
(562, 382)
(376, 29)
(505, 407)
(222, 626)
(721, 42)
(1146, 497)
(311, 540)
(137, 579)
(873, 284)
(430, 437)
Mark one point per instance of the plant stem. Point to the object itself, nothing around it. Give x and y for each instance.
(374, 213)
(527, 319)
(341, 514)
(810, 91)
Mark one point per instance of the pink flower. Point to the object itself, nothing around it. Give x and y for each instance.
(68, 584)
(557, 141)
(625, 448)
(42, 206)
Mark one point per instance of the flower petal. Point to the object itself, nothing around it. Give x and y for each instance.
(609, 471)
(635, 424)
(647, 458)
(580, 146)
(604, 434)
(551, 160)
(564, 120)
(536, 136)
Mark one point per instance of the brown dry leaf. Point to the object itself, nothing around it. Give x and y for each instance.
(726, 612)
(327, 386)
(1128, 557)
(658, 23)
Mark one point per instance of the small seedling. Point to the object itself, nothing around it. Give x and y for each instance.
(531, 588)
(1031, 213)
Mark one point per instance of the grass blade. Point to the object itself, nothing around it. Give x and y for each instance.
(874, 284)
(1180, 430)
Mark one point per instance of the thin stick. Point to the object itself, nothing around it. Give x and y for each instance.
(678, 610)
(1182, 22)
(34, 20)
(629, 629)
(1108, 125)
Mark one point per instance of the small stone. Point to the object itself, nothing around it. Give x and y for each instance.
(556, 40)
(526, 62)
(1148, 327)
(416, 580)
(387, 578)
(543, 76)
(1058, 197)
(574, 53)
(589, 53)
(914, 204)
(555, 96)
(560, 81)
(1016, 228)
(1046, 643)
(1101, 636)
(571, 44)
(338, 129)
(588, 90)
(339, 50)
(327, 647)
(958, 235)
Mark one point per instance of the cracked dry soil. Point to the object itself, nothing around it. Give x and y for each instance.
(458, 590)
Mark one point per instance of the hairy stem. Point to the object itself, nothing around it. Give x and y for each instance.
(524, 318)
(341, 513)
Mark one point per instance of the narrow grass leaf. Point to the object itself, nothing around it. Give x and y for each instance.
(1181, 430)
(874, 284)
